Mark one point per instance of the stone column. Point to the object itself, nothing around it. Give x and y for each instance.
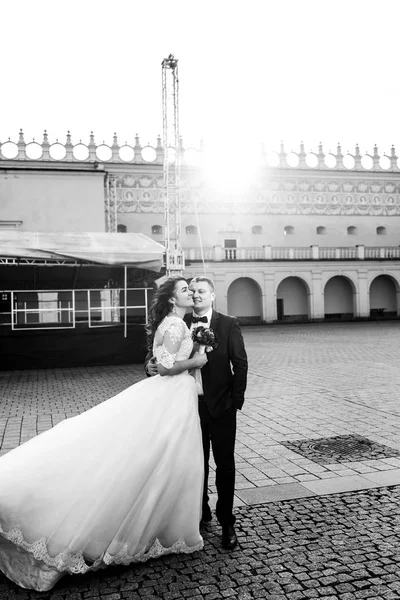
(269, 298)
(317, 308)
(267, 252)
(315, 252)
(111, 203)
(218, 253)
(221, 293)
(360, 252)
(362, 304)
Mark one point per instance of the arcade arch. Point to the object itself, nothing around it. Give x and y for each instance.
(339, 298)
(293, 300)
(383, 296)
(244, 300)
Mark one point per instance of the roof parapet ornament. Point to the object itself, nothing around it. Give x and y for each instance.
(357, 158)
(115, 148)
(69, 147)
(92, 148)
(45, 146)
(339, 157)
(159, 150)
(21, 146)
(282, 155)
(393, 159)
(302, 156)
(132, 154)
(375, 158)
(138, 149)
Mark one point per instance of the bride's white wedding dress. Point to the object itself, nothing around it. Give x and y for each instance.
(118, 484)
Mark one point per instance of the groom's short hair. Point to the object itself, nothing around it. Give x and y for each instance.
(206, 279)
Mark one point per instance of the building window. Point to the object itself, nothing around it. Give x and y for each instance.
(122, 228)
(289, 230)
(256, 229)
(191, 230)
(321, 230)
(230, 247)
(352, 230)
(381, 230)
(156, 230)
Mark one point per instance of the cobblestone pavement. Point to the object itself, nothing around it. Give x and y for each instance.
(342, 546)
(306, 530)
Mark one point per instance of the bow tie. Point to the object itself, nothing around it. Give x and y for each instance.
(199, 320)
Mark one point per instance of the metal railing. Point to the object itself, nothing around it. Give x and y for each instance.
(67, 309)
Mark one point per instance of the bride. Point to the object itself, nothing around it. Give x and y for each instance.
(113, 485)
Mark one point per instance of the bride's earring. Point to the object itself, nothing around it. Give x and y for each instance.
(173, 308)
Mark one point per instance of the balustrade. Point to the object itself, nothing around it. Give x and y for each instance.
(382, 253)
(267, 253)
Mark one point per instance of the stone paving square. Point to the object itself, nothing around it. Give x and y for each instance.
(306, 530)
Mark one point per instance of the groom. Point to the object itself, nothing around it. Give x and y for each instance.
(224, 383)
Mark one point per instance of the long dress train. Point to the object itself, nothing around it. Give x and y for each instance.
(120, 483)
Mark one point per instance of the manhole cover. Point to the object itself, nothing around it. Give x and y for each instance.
(341, 448)
(341, 445)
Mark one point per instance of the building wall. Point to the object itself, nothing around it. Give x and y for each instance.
(71, 195)
(53, 201)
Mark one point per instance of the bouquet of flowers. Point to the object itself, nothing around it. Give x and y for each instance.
(206, 340)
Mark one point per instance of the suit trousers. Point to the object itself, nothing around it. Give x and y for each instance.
(219, 433)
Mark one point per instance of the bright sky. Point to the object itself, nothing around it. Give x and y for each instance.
(251, 72)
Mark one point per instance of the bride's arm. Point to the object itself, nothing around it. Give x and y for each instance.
(197, 361)
(167, 365)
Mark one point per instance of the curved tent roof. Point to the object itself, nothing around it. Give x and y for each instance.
(130, 249)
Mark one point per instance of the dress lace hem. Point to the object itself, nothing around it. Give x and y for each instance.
(74, 562)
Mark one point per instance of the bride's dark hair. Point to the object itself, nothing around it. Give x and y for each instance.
(161, 306)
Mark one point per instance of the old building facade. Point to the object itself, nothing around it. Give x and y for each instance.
(313, 237)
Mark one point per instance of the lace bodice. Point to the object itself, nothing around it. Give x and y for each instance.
(172, 341)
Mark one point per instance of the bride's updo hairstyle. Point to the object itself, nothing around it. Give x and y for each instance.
(161, 306)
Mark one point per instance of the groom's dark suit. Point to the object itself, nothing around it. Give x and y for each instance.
(224, 383)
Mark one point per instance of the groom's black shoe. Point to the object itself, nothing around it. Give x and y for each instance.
(229, 539)
(206, 517)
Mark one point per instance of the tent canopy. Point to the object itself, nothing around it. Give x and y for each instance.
(130, 249)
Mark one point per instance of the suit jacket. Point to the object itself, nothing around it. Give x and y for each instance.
(225, 374)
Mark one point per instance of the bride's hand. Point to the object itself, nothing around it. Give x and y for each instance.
(199, 360)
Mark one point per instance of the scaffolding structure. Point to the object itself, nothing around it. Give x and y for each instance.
(174, 257)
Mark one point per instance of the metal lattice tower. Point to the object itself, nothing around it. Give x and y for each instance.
(174, 259)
